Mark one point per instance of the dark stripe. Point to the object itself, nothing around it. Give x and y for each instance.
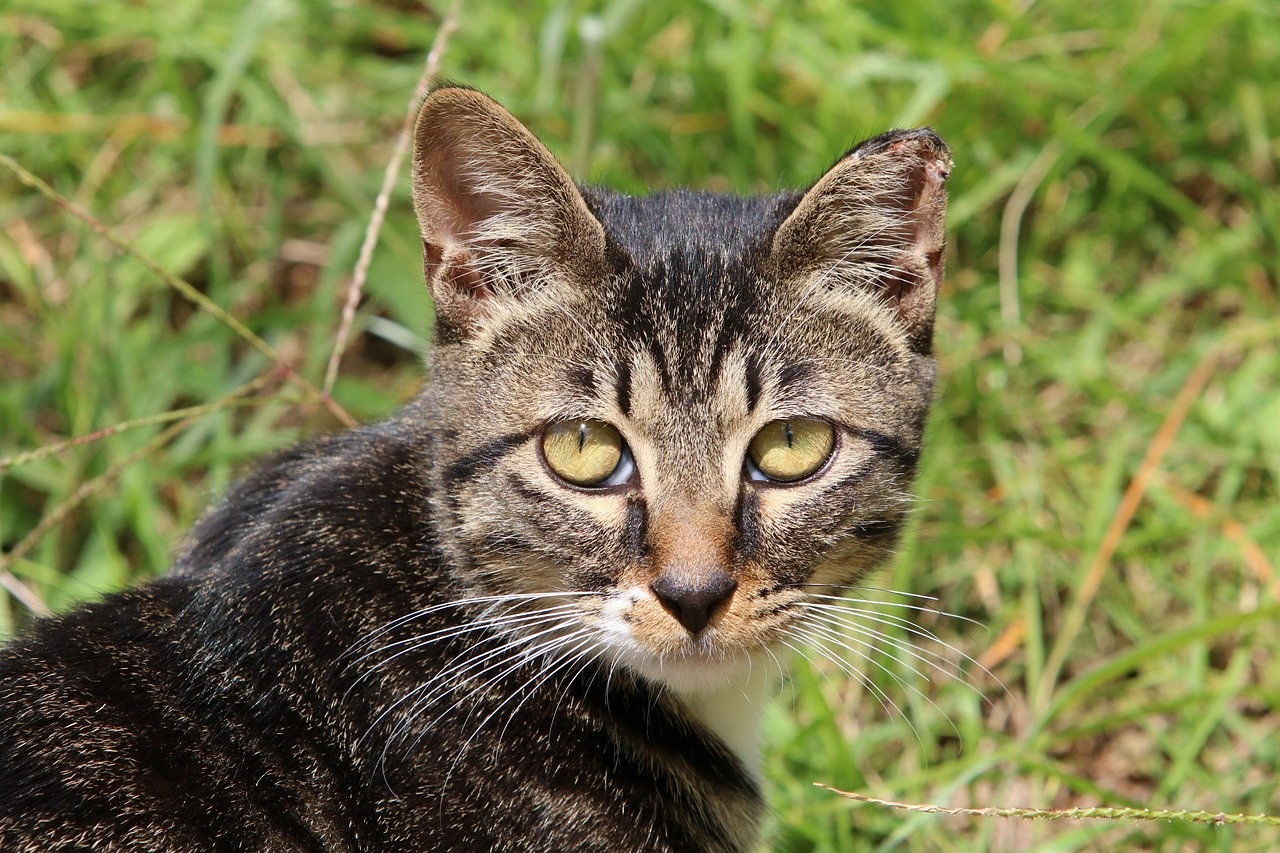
(887, 445)
(725, 341)
(623, 377)
(483, 459)
(636, 527)
(796, 373)
(748, 518)
(921, 340)
(660, 362)
(583, 378)
(528, 495)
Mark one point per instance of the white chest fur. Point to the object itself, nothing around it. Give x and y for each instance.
(733, 711)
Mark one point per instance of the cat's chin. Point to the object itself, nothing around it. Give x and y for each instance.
(688, 674)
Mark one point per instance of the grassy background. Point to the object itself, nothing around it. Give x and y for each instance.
(1100, 489)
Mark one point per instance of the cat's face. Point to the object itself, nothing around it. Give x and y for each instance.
(683, 414)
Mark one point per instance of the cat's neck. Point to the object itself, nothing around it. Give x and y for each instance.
(733, 711)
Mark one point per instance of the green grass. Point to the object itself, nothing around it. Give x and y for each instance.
(1115, 222)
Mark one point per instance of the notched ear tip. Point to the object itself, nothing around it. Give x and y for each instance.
(921, 142)
(920, 152)
(875, 223)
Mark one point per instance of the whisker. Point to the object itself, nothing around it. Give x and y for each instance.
(462, 602)
(872, 616)
(929, 658)
(890, 708)
(481, 623)
(498, 625)
(916, 607)
(512, 663)
(581, 652)
(818, 642)
(473, 665)
(846, 587)
(529, 687)
(520, 660)
(895, 621)
(425, 694)
(841, 641)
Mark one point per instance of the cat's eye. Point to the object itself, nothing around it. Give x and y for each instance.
(788, 450)
(587, 453)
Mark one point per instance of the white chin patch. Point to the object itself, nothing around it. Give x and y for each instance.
(692, 674)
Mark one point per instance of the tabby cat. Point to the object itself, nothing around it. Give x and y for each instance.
(543, 606)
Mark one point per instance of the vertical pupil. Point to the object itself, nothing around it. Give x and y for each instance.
(786, 428)
(582, 436)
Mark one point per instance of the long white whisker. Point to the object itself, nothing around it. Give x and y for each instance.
(891, 709)
(818, 642)
(461, 602)
(916, 595)
(513, 664)
(900, 605)
(841, 641)
(497, 624)
(530, 686)
(931, 659)
(472, 666)
(481, 623)
(583, 649)
(898, 622)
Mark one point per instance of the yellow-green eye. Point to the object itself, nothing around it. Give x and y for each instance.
(791, 449)
(587, 453)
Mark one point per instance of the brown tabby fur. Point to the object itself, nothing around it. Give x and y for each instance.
(416, 636)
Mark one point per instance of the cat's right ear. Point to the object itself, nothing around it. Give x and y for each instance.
(500, 219)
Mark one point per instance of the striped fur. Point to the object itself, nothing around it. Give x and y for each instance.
(416, 636)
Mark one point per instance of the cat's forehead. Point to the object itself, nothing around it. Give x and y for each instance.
(652, 228)
(690, 298)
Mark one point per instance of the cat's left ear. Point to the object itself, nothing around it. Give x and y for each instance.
(874, 223)
(500, 219)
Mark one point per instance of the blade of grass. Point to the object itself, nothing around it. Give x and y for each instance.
(29, 456)
(429, 73)
(1101, 813)
(1129, 502)
(251, 27)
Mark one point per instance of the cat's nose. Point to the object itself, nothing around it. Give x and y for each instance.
(693, 600)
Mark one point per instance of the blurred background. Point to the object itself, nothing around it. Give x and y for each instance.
(1098, 525)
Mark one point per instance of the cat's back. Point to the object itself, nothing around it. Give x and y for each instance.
(174, 716)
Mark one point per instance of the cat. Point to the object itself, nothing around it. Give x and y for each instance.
(542, 607)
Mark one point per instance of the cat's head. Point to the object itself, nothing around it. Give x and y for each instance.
(685, 414)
